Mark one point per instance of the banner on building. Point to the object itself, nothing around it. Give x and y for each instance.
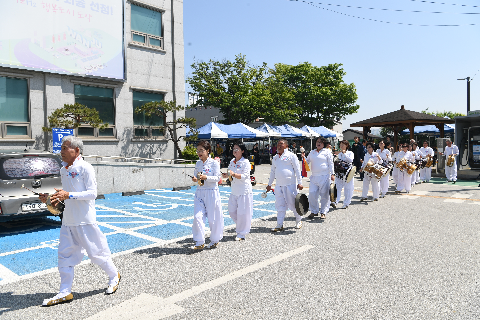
(63, 36)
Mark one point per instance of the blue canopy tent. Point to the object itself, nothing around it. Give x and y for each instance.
(430, 129)
(269, 130)
(324, 132)
(210, 131)
(287, 132)
(241, 131)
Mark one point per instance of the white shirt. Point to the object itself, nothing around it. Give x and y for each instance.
(426, 151)
(211, 169)
(348, 156)
(373, 157)
(286, 169)
(407, 155)
(243, 185)
(451, 150)
(79, 181)
(385, 154)
(321, 162)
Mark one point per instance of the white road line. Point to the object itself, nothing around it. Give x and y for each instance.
(454, 200)
(6, 274)
(147, 306)
(461, 195)
(421, 193)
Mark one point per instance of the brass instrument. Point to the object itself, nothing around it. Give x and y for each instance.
(450, 160)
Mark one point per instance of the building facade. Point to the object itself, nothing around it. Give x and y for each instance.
(152, 53)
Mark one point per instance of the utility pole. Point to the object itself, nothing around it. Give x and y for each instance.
(468, 93)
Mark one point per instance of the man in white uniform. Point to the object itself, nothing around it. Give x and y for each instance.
(286, 170)
(321, 164)
(451, 171)
(79, 231)
(426, 173)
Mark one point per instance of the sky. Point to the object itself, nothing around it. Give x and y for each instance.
(412, 55)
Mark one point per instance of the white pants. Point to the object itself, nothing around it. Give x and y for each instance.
(341, 184)
(404, 181)
(284, 200)
(395, 174)
(426, 174)
(384, 184)
(413, 177)
(319, 186)
(366, 185)
(451, 172)
(207, 204)
(74, 242)
(240, 209)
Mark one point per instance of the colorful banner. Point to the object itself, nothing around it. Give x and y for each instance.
(63, 36)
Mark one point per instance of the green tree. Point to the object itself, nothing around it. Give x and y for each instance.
(71, 116)
(320, 95)
(236, 88)
(443, 114)
(161, 109)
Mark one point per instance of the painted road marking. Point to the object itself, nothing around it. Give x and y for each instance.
(146, 306)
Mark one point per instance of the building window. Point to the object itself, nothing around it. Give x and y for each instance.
(146, 27)
(214, 119)
(101, 99)
(147, 127)
(14, 112)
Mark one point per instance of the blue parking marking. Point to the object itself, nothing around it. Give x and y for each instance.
(28, 246)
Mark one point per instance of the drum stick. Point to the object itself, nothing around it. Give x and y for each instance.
(35, 193)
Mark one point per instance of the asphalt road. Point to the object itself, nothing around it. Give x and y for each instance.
(404, 257)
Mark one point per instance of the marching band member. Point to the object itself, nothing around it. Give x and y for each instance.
(415, 177)
(386, 158)
(321, 164)
(426, 173)
(207, 203)
(451, 172)
(286, 170)
(404, 180)
(240, 204)
(395, 169)
(375, 158)
(79, 232)
(348, 157)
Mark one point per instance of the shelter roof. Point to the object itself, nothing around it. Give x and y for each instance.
(401, 117)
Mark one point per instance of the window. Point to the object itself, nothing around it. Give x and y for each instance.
(14, 112)
(147, 127)
(102, 100)
(146, 27)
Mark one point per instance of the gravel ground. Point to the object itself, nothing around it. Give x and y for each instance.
(403, 257)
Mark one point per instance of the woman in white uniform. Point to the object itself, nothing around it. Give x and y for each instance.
(207, 203)
(346, 156)
(395, 169)
(386, 158)
(404, 179)
(375, 158)
(240, 204)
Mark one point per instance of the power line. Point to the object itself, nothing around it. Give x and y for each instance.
(381, 21)
(453, 4)
(392, 10)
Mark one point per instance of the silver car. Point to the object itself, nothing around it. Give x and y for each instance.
(22, 174)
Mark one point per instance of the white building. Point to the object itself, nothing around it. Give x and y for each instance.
(111, 55)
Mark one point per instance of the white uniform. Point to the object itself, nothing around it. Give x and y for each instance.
(286, 170)
(451, 172)
(395, 170)
(348, 157)
(386, 158)
(79, 232)
(240, 204)
(415, 177)
(207, 203)
(368, 179)
(426, 173)
(321, 165)
(404, 180)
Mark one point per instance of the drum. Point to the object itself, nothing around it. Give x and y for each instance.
(351, 172)
(57, 208)
(376, 170)
(388, 166)
(402, 164)
(333, 192)
(341, 169)
(411, 168)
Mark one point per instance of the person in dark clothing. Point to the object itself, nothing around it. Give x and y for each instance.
(354, 147)
(361, 150)
(256, 154)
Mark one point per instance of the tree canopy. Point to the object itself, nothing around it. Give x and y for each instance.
(285, 94)
(72, 116)
(443, 114)
(160, 109)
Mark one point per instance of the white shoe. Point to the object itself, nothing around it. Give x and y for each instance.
(344, 207)
(58, 299)
(113, 285)
(212, 245)
(237, 238)
(298, 225)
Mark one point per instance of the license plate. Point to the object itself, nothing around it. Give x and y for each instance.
(33, 206)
